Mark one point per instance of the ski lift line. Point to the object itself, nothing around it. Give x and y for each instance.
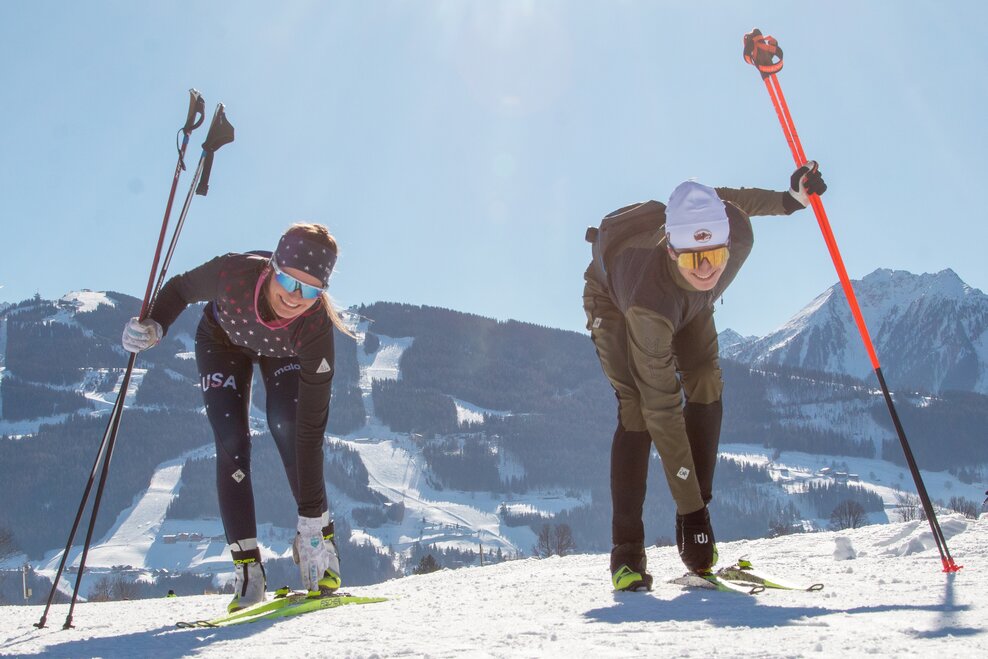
(761, 51)
(432, 505)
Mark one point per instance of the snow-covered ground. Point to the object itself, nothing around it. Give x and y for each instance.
(891, 600)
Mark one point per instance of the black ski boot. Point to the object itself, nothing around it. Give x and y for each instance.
(628, 567)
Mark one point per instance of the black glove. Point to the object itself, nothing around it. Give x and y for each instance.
(805, 181)
(695, 540)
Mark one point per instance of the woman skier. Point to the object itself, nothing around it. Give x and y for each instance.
(273, 311)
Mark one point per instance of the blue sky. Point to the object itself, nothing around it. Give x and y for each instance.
(458, 150)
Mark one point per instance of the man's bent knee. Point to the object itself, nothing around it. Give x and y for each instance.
(703, 386)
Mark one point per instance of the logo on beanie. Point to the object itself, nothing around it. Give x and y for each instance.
(702, 235)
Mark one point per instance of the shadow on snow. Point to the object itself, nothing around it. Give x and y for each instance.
(167, 641)
(740, 610)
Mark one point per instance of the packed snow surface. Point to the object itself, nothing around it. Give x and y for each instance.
(885, 594)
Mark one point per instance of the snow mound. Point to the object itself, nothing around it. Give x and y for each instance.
(921, 538)
(843, 549)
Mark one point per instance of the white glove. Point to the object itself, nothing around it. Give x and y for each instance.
(140, 335)
(314, 554)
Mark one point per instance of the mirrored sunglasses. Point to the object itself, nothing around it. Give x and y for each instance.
(690, 260)
(291, 284)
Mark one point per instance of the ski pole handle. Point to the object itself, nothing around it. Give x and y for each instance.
(220, 133)
(760, 51)
(194, 119)
(197, 112)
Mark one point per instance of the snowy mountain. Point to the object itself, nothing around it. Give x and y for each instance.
(731, 342)
(930, 332)
(450, 435)
(884, 595)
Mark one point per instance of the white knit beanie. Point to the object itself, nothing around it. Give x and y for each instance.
(696, 218)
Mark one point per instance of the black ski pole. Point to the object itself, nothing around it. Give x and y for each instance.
(220, 133)
(110, 436)
(194, 119)
(197, 114)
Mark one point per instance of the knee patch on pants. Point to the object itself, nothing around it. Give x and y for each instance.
(630, 415)
(703, 385)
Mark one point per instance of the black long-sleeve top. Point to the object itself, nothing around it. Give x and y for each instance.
(234, 285)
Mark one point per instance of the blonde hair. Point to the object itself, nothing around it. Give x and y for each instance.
(320, 234)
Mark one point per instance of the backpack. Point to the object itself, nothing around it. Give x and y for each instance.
(616, 227)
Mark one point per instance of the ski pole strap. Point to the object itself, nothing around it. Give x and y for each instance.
(194, 119)
(760, 51)
(220, 133)
(197, 112)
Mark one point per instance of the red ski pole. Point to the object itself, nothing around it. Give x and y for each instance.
(764, 53)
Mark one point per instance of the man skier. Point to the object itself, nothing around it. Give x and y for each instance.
(649, 294)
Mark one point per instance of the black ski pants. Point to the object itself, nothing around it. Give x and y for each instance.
(225, 372)
(630, 452)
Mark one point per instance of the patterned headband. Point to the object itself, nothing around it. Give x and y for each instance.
(298, 252)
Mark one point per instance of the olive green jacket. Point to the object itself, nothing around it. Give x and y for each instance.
(642, 287)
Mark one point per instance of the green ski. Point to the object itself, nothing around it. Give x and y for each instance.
(278, 602)
(316, 604)
(744, 571)
(711, 581)
(283, 605)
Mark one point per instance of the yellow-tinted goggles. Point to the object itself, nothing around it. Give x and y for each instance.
(690, 260)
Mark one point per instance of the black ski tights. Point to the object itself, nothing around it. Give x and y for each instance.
(630, 452)
(225, 372)
(703, 431)
(629, 472)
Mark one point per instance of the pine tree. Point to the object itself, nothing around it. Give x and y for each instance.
(426, 565)
(8, 546)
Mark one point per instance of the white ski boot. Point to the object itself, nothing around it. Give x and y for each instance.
(250, 583)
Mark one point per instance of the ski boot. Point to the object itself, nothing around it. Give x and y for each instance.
(628, 567)
(248, 588)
